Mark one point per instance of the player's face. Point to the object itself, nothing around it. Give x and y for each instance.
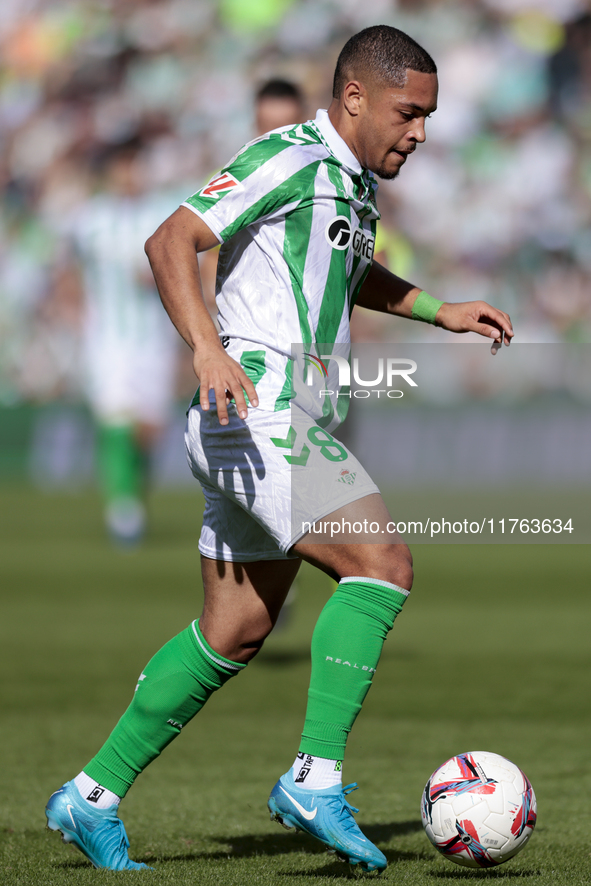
(271, 113)
(124, 175)
(391, 122)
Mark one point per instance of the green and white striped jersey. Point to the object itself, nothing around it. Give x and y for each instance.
(296, 215)
(122, 303)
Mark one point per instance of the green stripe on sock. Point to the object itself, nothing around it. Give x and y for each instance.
(346, 647)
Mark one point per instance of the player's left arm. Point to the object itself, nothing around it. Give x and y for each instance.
(385, 292)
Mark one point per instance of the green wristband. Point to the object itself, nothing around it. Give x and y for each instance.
(425, 307)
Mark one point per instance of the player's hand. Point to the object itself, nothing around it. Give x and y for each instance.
(220, 373)
(476, 316)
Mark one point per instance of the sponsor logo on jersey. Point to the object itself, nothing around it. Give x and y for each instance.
(338, 232)
(363, 244)
(219, 185)
(340, 235)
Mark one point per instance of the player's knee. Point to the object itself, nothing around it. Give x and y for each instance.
(397, 567)
(391, 563)
(404, 575)
(250, 646)
(248, 650)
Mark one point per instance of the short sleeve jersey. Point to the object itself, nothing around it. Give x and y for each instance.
(296, 216)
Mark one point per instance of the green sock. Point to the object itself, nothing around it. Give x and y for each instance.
(346, 647)
(122, 464)
(173, 687)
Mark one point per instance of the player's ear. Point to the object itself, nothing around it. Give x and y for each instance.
(352, 97)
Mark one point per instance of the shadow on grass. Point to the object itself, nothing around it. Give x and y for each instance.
(335, 870)
(381, 833)
(251, 845)
(476, 873)
(246, 846)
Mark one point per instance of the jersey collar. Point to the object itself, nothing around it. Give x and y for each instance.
(337, 145)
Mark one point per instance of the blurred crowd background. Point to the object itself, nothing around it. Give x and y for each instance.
(496, 204)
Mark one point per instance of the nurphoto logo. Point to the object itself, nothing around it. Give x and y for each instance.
(388, 372)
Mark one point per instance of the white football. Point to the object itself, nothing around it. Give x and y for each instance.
(478, 809)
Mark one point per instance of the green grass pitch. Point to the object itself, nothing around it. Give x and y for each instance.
(492, 652)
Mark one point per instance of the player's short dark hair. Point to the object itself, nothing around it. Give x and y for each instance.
(278, 88)
(126, 149)
(382, 53)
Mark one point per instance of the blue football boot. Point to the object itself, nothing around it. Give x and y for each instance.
(98, 833)
(326, 815)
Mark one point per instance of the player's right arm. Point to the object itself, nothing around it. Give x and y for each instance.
(172, 251)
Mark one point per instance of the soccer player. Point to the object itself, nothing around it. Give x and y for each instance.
(295, 213)
(278, 103)
(129, 350)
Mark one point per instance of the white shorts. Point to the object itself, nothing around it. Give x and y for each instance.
(265, 477)
(133, 381)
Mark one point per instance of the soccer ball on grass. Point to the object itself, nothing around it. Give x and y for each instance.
(478, 809)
